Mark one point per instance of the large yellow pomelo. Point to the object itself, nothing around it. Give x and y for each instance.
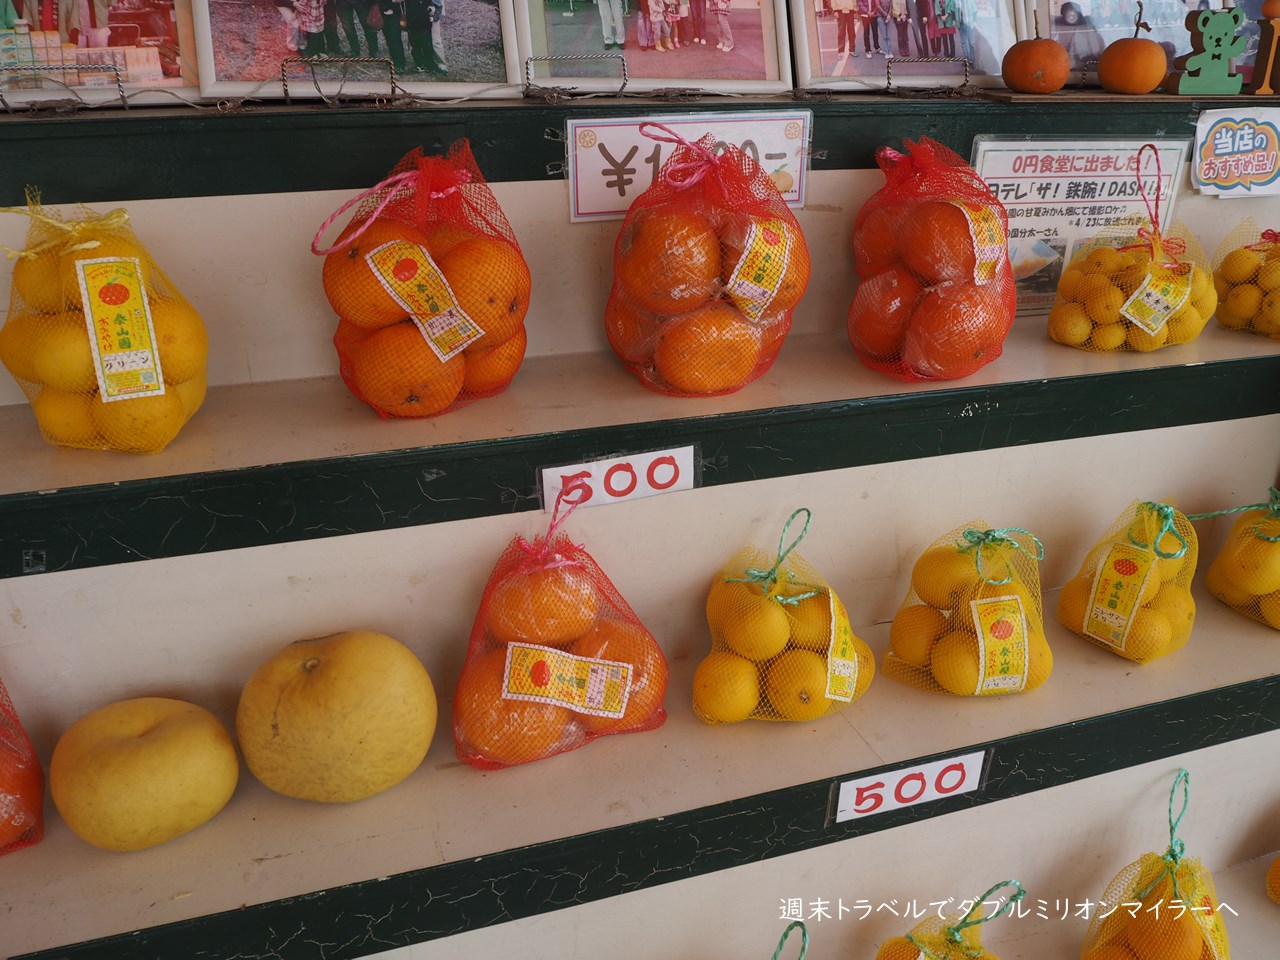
(137, 773)
(338, 718)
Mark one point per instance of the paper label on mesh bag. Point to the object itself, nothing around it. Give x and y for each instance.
(583, 684)
(407, 272)
(1002, 644)
(1162, 294)
(754, 283)
(990, 244)
(117, 315)
(842, 656)
(1117, 589)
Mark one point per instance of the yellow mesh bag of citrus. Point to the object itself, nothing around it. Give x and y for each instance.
(1132, 594)
(1161, 907)
(954, 936)
(109, 353)
(1246, 278)
(1245, 573)
(781, 644)
(971, 623)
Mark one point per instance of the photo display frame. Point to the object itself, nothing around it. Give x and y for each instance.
(865, 45)
(713, 46)
(436, 49)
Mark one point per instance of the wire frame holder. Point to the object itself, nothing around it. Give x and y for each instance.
(38, 69)
(571, 58)
(313, 62)
(888, 67)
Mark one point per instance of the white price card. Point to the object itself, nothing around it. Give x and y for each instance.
(626, 477)
(1237, 152)
(611, 162)
(882, 792)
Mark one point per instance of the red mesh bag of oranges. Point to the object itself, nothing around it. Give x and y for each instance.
(1160, 907)
(707, 270)
(109, 353)
(781, 644)
(1132, 595)
(430, 289)
(955, 935)
(21, 783)
(935, 295)
(557, 658)
(972, 622)
(1245, 574)
(1137, 285)
(1246, 277)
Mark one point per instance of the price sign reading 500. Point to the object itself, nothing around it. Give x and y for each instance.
(883, 792)
(615, 479)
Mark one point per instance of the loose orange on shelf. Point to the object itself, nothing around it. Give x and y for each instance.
(881, 310)
(502, 730)
(709, 350)
(1036, 65)
(491, 370)
(397, 372)
(492, 284)
(354, 289)
(549, 606)
(1133, 65)
(667, 260)
(627, 643)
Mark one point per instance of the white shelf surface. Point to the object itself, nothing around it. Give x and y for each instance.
(264, 847)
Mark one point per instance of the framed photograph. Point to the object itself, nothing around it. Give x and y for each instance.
(717, 46)
(439, 49)
(75, 49)
(860, 44)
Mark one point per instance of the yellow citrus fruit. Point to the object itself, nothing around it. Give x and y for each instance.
(954, 663)
(1273, 880)
(1090, 285)
(1105, 260)
(726, 595)
(898, 948)
(1240, 266)
(1230, 321)
(1116, 950)
(1039, 655)
(61, 356)
(1244, 300)
(1180, 607)
(1223, 589)
(1269, 276)
(1160, 933)
(1108, 336)
(1130, 278)
(1014, 588)
(181, 338)
(1150, 635)
(66, 418)
(1249, 562)
(1103, 305)
(1073, 603)
(796, 685)
(191, 393)
(547, 606)
(18, 338)
(1144, 342)
(1068, 282)
(756, 629)
(944, 577)
(38, 281)
(1069, 324)
(914, 631)
(1267, 322)
(810, 621)
(139, 424)
(726, 688)
(1269, 606)
(1206, 301)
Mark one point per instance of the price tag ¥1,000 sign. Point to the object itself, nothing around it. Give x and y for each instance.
(880, 793)
(627, 477)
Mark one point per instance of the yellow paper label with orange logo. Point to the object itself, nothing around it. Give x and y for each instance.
(407, 272)
(1001, 624)
(842, 655)
(990, 243)
(1161, 294)
(1117, 588)
(759, 271)
(583, 684)
(117, 314)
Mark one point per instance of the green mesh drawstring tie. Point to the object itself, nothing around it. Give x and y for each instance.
(1166, 515)
(804, 939)
(1176, 847)
(1273, 513)
(977, 539)
(766, 578)
(954, 934)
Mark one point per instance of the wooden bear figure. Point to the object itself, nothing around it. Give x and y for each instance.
(1214, 44)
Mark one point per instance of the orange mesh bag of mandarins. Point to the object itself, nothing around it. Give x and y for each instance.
(781, 644)
(1160, 907)
(972, 622)
(1132, 594)
(1245, 573)
(21, 783)
(429, 286)
(935, 296)
(1138, 284)
(1246, 278)
(556, 659)
(956, 935)
(109, 353)
(707, 270)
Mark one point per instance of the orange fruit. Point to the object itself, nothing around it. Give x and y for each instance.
(795, 277)
(443, 236)
(18, 339)
(395, 371)
(491, 283)
(667, 261)
(881, 309)
(502, 730)
(549, 606)
(1163, 934)
(632, 333)
(956, 329)
(936, 243)
(65, 418)
(709, 350)
(139, 424)
(21, 795)
(1273, 880)
(61, 356)
(898, 948)
(491, 371)
(875, 239)
(773, 331)
(626, 643)
(1116, 950)
(914, 631)
(354, 290)
(348, 335)
(181, 339)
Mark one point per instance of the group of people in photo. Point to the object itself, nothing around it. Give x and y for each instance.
(931, 25)
(668, 25)
(311, 29)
